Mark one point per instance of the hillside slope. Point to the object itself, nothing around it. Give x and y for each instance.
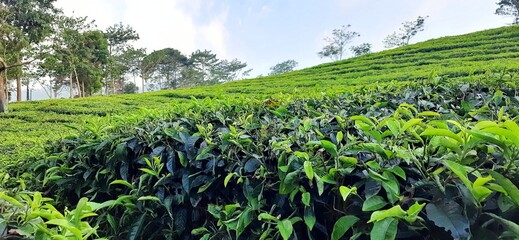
(29, 125)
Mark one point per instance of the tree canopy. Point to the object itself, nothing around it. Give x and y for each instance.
(408, 30)
(337, 42)
(283, 67)
(509, 8)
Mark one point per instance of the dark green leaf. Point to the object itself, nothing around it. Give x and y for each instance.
(449, 215)
(385, 229)
(342, 226)
(373, 203)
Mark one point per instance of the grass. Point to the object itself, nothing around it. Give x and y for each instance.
(30, 125)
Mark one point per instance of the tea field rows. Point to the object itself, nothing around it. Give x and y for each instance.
(469, 57)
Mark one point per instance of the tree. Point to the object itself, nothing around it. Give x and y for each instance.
(132, 58)
(79, 53)
(66, 50)
(204, 64)
(283, 67)
(130, 88)
(336, 46)
(509, 8)
(403, 36)
(167, 64)
(227, 70)
(361, 49)
(93, 56)
(32, 19)
(119, 36)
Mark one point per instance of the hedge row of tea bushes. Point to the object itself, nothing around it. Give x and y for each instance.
(431, 160)
(467, 57)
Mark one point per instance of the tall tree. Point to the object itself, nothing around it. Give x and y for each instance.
(132, 58)
(408, 30)
(33, 19)
(168, 64)
(509, 8)
(93, 56)
(119, 37)
(227, 70)
(78, 52)
(204, 64)
(66, 46)
(336, 44)
(361, 49)
(283, 67)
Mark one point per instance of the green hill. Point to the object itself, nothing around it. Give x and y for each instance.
(466, 57)
(419, 142)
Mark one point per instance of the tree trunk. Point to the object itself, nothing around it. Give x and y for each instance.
(28, 91)
(3, 93)
(71, 85)
(18, 82)
(83, 89)
(3, 87)
(142, 85)
(113, 86)
(77, 82)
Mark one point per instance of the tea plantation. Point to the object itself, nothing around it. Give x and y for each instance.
(419, 142)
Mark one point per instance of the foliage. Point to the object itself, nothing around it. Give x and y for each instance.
(336, 44)
(362, 49)
(283, 67)
(29, 215)
(473, 57)
(509, 8)
(122, 57)
(130, 88)
(436, 158)
(409, 30)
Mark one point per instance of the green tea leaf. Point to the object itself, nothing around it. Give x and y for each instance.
(306, 199)
(346, 191)
(398, 171)
(122, 182)
(413, 211)
(11, 200)
(373, 203)
(342, 226)
(320, 185)
(329, 147)
(182, 158)
(348, 161)
(246, 218)
(509, 225)
(285, 228)
(339, 137)
(266, 216)
(460, 171)
(385, 229)
(395, 211)
(228, 178)
(510, 188)
(309, 171)
(410, 123)
(441, 132)
(309, 217)
(148, 198)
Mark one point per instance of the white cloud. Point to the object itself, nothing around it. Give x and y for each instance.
(215, 35)
(160, 23)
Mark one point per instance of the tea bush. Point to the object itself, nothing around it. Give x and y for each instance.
(435, 160)
(467, 57)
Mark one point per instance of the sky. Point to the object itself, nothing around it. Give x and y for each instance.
(263, 33)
